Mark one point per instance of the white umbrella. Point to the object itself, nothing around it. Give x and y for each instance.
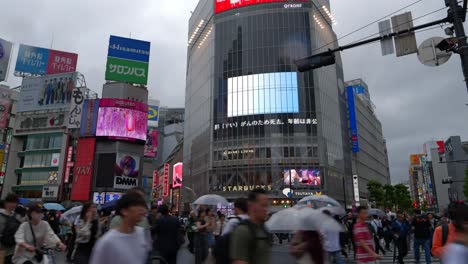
(211, 199)
(302, 218)
(323, 202)
(377, 212)
(72, 214)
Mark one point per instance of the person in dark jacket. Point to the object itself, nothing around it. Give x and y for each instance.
(167, 230)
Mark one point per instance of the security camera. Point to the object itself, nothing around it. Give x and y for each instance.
(449, 31)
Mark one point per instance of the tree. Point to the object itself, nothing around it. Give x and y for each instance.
(465, 186)
(403, 197)
(376, 192)
(389, 196)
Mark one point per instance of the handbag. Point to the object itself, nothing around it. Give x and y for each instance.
(38, 255)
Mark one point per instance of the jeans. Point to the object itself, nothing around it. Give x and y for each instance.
(336, 255)
(426, 243)
(402, 246)
(201, 247)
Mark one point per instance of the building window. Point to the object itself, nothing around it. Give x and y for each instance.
(45, 141)
(37, 160)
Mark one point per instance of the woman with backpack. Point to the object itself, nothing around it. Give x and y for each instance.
(87, 232)
(32, 235)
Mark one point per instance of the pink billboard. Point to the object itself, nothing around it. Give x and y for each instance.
(177, 175)
(61, 62)
(4, 110)
(151, 146)
(122, 119)
(225, 5)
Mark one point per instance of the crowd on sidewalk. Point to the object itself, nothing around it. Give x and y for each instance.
(132, 234)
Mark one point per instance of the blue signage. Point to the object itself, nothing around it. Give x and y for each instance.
(153, 113)
(32, 60)
(352, 120)
(129, 49)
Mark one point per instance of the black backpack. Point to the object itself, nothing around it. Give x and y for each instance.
(7, 238)
(445, 233)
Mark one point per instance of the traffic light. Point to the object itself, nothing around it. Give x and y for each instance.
(315, 61)
(447, 181)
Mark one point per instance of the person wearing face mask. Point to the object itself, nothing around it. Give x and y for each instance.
(32, 235)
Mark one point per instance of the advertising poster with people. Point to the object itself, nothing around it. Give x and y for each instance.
(47, 92)
(127, 168)
(302, 177)
(151, 146)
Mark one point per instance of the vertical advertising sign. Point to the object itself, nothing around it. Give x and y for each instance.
(76, 97)
(40, 61)
(352, 120)
(5, 54)
(128, 60)
(177, 175)
(48, 92)
(127, 167)
(153, 116)
(83, 171)
(70, 164)
(166, 180)
(4, 112)
(89, 118)
(151, 146)
(356, 189)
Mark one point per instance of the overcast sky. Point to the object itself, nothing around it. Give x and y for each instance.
(415, 103)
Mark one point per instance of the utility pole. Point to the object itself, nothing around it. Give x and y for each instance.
(457, 15)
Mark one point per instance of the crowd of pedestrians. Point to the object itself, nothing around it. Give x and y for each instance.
(132, 234)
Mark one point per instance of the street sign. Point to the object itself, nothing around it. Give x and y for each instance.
(430, 55)
(385, 28)
(405, 44)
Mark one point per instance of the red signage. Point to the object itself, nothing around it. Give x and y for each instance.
(177, 175)
(166, 180)
(225, 5)
(155, 179)
(69, 164)
(441, 147)
(83, 171)
(61, 62)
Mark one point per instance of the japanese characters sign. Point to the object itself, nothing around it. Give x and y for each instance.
(76, 108)
(47, 92)
(166, 180)
(128, 60)
(266, 122)
(40, 61)
(5, 53)
(50, 192)
(4, 112)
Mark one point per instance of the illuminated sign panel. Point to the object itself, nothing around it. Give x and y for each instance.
(225, 5)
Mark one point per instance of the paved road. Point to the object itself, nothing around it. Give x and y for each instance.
(279, 255)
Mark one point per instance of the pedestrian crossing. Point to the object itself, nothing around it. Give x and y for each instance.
(388, 258)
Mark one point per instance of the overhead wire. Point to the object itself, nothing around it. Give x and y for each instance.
(368, 25)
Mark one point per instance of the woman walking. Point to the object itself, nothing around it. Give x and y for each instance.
(201, 240)
(87, 232)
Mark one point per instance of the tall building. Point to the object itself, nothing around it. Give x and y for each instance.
(436, 172)
(251, 119)
(456, 156)
(370, 157)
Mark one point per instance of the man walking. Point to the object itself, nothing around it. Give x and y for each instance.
(166, 230)
(400, 230)
(363, 239)
(240, 211)
(126, 243)
(9, 224)
(422, 236)
(250, 241)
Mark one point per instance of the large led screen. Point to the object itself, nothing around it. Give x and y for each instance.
(266, 93)
(304, 177)
(225, 5)
(122, 119)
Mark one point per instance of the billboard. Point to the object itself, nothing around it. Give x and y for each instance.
(128, 60)
(151, 146)
(177, 175)
(83, 170)
(4, 112)
(55, 160)
(225, 5)
(166, 180)
(302, 177)
(5, 54)
(153, 116)
(352, 120)
(76, 97)
(441, 147)
(47, 92)
(40, 61)
(127, 167)
(122, 119)
(266, 93)
(415, 159)
(89, 118)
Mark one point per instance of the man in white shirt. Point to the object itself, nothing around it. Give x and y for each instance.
(240, 210)
(377, 233)
(127, 243)
(331, 243)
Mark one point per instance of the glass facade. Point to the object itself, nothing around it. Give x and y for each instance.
(266, 121)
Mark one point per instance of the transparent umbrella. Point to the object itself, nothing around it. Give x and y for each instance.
(302, 218)
(323, 202)
(377, 212)
(211, 199)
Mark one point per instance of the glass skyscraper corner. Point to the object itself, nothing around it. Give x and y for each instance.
(252, 120)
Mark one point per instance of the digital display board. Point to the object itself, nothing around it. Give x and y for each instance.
(304, 177)
(122, 119)
(266, 93)
(225, 5)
